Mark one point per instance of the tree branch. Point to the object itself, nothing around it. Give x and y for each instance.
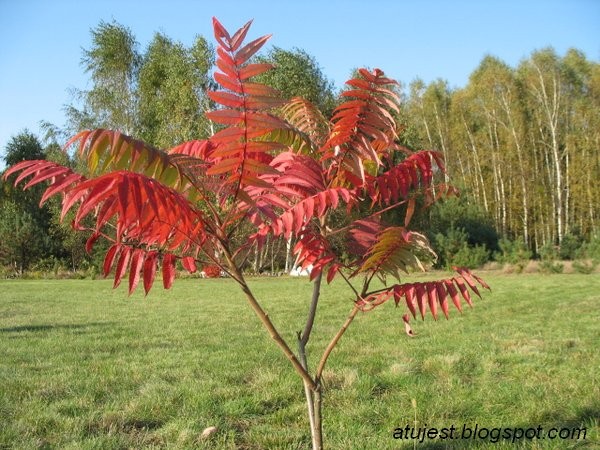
(305, 336)
(266, 321)
(334, 342)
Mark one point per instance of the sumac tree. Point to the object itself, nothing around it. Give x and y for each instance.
(284, 169)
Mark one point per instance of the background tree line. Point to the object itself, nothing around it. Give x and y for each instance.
(522, 144)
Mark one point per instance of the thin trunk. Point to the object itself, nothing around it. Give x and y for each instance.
(477, 164)
(237, 275)
(442, 140)
(590, 197)
(522, 177)
(503, 196)
(568, 219)
(288, 254)
(496, 178)
(551, 109)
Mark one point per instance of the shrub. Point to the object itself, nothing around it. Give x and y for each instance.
(512, 252)
(461, 213)
(570, 245)
(591, 249)
(584, 266)
(454, 250)
(549, 254)
(471, 257)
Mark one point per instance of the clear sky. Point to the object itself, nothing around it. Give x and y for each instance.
(41, 41)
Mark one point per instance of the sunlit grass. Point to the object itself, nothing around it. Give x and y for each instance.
(83, 366)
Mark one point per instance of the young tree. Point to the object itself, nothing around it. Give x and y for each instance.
(24, 234)
(297, 74)
(171, 90)
(282, 174)
(113, 61)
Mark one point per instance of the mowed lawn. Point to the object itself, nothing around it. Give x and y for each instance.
(83, 366)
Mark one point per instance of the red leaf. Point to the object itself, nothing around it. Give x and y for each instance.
(122, 265)
(225, 117)
(168, 270)
(468, 277)
(47, 173)
(250, 49)
(453, 294)
(421, 296)
(189, 264)
(239, 36)
(109, 258)
(137, 261)
(221, 34)
(463, 290)
(252, 70)
(101, 189)
(149, 270)
(410, 297)
(89, 244)
(332, 272)
(442, 297)
(227, 99)
(61, 185)
(432, 297)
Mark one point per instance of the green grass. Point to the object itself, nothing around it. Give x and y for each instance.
(85, 367)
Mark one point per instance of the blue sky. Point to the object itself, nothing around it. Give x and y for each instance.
(41, 41)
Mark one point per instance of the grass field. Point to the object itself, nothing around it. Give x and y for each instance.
(85, 367)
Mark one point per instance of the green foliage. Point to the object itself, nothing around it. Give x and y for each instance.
(514, 253)
(24, 145)
(113, 63)
(465, 214)
(158, 95)
(570, 245)
(171, 91)
(297, 74)
(591, 249)
(549, 255)
(20, 242)
(588, 256)
(24, 226)
(449, 244)
(456, 251)
(584, 267)
(471, 257)
(463, 234)
(533, 172)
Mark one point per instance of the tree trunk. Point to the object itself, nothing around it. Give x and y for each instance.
(314, 399)
(477, 164)
(288, 254)
(522, 175)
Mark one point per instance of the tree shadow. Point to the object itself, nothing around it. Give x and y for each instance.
(53, 327)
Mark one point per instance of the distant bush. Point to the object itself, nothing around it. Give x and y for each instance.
(454, 250)
(463, 214)
(549, 255)
(591, 249)
(570, 246)
(514, 253)
(587, 257)
(471, 257)
(584, 266)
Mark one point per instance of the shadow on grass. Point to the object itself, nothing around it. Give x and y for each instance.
(579, 428)
(53, 327)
